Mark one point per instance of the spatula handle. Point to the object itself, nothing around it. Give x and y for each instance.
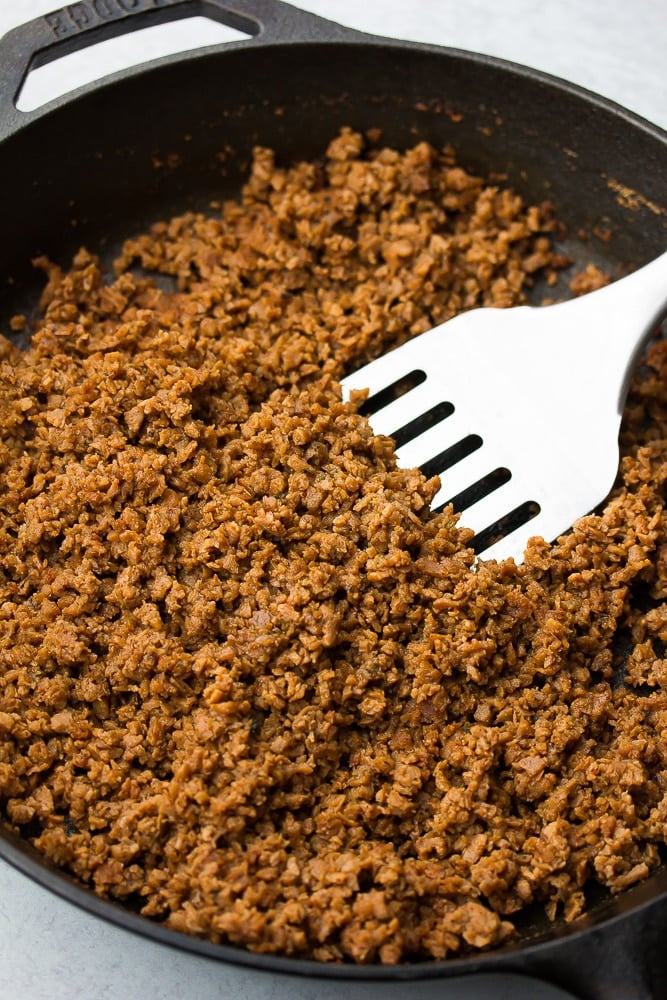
(617, 320)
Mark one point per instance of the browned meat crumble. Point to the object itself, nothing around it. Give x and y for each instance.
(249, 683)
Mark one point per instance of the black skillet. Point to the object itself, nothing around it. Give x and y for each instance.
(92, 167)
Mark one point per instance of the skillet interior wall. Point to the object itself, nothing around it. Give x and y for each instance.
(101, 167)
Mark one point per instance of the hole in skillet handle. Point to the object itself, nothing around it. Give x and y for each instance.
(28, 46)
(71, 45)
(46, 81)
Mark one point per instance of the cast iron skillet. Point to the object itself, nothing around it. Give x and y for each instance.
(99, 164)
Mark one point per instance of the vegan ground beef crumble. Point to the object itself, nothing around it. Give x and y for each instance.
(249, 683)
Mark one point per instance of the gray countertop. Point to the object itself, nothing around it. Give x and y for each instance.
(50, 950)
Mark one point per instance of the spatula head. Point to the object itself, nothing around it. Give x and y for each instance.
(524, 440)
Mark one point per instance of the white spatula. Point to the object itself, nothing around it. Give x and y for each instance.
(518, 410)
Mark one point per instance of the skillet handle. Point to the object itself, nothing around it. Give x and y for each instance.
(78, 25)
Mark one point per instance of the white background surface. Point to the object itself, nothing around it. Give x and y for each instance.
(618, 48)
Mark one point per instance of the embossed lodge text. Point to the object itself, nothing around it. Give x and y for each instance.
(90, 13)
